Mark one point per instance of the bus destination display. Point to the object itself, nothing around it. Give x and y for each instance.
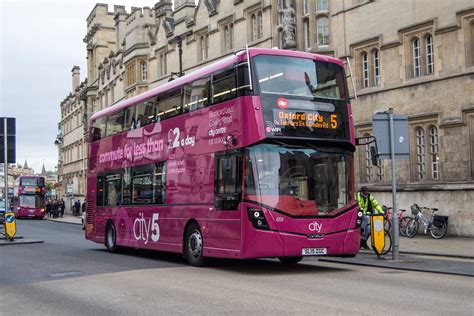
(307, 119)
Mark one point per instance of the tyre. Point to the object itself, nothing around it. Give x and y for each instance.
(111, 238)
(387, 224)
(387, 242)
(194, 246)
(412, 228)
(290, 260)
(440, 231)
(403, 225)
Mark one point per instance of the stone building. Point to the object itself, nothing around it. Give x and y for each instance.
(415, 56)
(71, 141)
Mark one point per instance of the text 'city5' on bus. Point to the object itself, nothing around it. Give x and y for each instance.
(29, 196)
(230, 161)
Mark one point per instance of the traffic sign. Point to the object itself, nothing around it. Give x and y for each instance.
(10, 225)
(8, 130)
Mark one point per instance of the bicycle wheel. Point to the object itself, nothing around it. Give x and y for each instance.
(438, 232)
(403, 225)
(387, 224)
(387, 242)
(412, 228)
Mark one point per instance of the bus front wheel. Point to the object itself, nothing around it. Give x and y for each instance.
(110, 238)
(194, 246)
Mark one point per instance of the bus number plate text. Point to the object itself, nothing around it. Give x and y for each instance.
(314, 251)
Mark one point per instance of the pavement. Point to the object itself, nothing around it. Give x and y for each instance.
(450, 255)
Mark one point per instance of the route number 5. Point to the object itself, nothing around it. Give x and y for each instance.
(155, 229)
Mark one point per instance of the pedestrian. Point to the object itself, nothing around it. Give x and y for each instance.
(60, 208)
(54, 208)
(48, 208)
(368, 205)
(77, 207)
(83, 206)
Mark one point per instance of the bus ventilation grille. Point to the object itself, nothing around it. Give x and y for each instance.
(90, 212)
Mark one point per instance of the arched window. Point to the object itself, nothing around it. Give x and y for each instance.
(307, 44)
(322, 5)
(254, 27)
(260, 23)
(420, 152)
(365, 70)
(232, 36)
(368, 163)
(429, 55)
(434, 152)
(144, 71)
(227, 37)
(280, 6)
(416, 58)
(376, 61)
(471, 39)
(323, 31)
(305, 7)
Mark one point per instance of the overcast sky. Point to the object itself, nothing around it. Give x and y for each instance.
(40, 43)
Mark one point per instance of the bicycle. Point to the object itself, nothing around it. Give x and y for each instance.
(437, 225)
(402, 220)
(387, 241)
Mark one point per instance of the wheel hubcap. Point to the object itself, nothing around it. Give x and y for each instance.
(195, 244)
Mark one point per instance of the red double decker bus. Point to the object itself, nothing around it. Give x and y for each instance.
(250, 157)
(29, 197)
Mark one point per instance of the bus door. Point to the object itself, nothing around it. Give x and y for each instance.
(224, 221)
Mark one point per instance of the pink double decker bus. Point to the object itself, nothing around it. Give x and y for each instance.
(250, 157)
(29, 197)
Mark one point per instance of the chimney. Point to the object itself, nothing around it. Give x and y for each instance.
(76, 77)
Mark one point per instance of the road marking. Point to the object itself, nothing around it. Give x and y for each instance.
(64, 274)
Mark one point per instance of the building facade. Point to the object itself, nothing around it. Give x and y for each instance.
(415, 56)
(71, 141)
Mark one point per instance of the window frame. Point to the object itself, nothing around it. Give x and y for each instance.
(306, 34)
(434, 153)
(322, 31)
(365, 70)
(376, 66)
(429, 46)
(416, 53)
(420, 152)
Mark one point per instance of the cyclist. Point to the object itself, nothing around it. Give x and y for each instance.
(368, 205)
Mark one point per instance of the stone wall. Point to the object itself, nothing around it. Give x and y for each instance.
(455, 201)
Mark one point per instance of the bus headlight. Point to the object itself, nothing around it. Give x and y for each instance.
(359, 219)
(42, 210)
(257, 218)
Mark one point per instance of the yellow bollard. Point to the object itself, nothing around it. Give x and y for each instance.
(377, 234)
(10, 225)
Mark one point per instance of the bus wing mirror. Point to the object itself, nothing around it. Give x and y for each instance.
(364, 141)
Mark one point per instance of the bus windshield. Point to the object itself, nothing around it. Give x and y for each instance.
(32, 181)
(297, 181)
(290, 76)
(30, 201)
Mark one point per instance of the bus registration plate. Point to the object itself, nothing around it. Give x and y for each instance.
(314, 251)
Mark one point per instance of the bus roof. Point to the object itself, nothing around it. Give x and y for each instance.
(209, 69)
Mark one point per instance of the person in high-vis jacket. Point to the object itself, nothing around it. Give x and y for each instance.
(368, 205)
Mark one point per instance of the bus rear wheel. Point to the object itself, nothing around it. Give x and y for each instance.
(110, 238)
(194, 246)
(290, 260)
